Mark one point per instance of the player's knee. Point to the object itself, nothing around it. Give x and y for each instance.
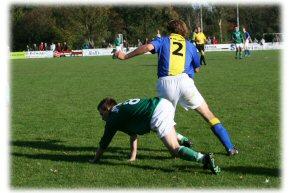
(204, 110)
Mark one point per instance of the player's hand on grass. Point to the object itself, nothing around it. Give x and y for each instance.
(131, 160)
(92, 161)
(120, 55)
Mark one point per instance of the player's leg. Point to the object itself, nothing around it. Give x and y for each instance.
(172, 144)
(184, 141)
(163, 123)
(185, 153)
(168, 88)
(202, 58)
(240, 51)
(192, 99)
(199, 48)
(249, 49)
(217, 128)
(245, 50)
(236, 51)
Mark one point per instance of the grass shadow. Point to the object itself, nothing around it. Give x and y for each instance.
(255, 170)
(55, 145)
(67, 153)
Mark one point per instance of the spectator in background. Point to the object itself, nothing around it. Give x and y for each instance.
(91, 45)
(53, 47)
(85, 46)
(139, 43)
(41, 46)
(125, 45)
(103, 44)
(34, 47)
(277, 38)
(65, 47)
(146, 41)
(46, 47)
(158, 34)
(208, 41)
(262, 42)
(59, 47)
(28, 48)
(214, 40)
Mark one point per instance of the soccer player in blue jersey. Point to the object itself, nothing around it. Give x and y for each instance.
(248, 40)
(178, 62)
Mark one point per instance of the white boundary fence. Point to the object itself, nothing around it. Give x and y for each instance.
(252, 46)
(109, 51)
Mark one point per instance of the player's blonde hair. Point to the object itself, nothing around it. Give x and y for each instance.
(178, 27)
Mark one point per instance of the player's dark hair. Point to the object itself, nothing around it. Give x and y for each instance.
(178, 27)
(106, 104)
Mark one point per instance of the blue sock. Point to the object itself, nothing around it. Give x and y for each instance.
(221, 133)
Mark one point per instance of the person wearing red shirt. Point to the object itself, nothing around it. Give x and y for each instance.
(41, 46)
(214, 40)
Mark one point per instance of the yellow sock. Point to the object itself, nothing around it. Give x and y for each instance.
(214, 121)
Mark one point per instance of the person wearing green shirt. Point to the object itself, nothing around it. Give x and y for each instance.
(238, 41)
(140, 116)
(117, 45)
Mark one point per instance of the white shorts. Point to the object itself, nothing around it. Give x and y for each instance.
(239, 46)
(118, 48)
(246, 44)
(180, 89)
(163, 118)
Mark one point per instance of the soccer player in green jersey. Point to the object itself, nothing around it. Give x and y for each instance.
(140, 116)
(238, 41)
(118, 45)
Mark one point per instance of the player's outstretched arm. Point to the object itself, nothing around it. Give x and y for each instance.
(138, 51)
(133, 148)
(98, 155)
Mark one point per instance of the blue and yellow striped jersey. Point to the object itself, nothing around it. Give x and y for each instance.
(176, 55)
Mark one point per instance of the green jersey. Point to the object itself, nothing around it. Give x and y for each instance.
(117, 42)
(131, 117)
(237, 37)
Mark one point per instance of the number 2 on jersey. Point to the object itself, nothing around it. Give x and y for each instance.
(177, 51)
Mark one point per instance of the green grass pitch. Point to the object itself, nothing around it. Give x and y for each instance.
(55, 127)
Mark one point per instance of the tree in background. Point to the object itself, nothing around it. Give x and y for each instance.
(77, 25)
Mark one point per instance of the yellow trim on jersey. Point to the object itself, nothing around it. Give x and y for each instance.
(214, 121)
(200, 38)
(177, 54)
